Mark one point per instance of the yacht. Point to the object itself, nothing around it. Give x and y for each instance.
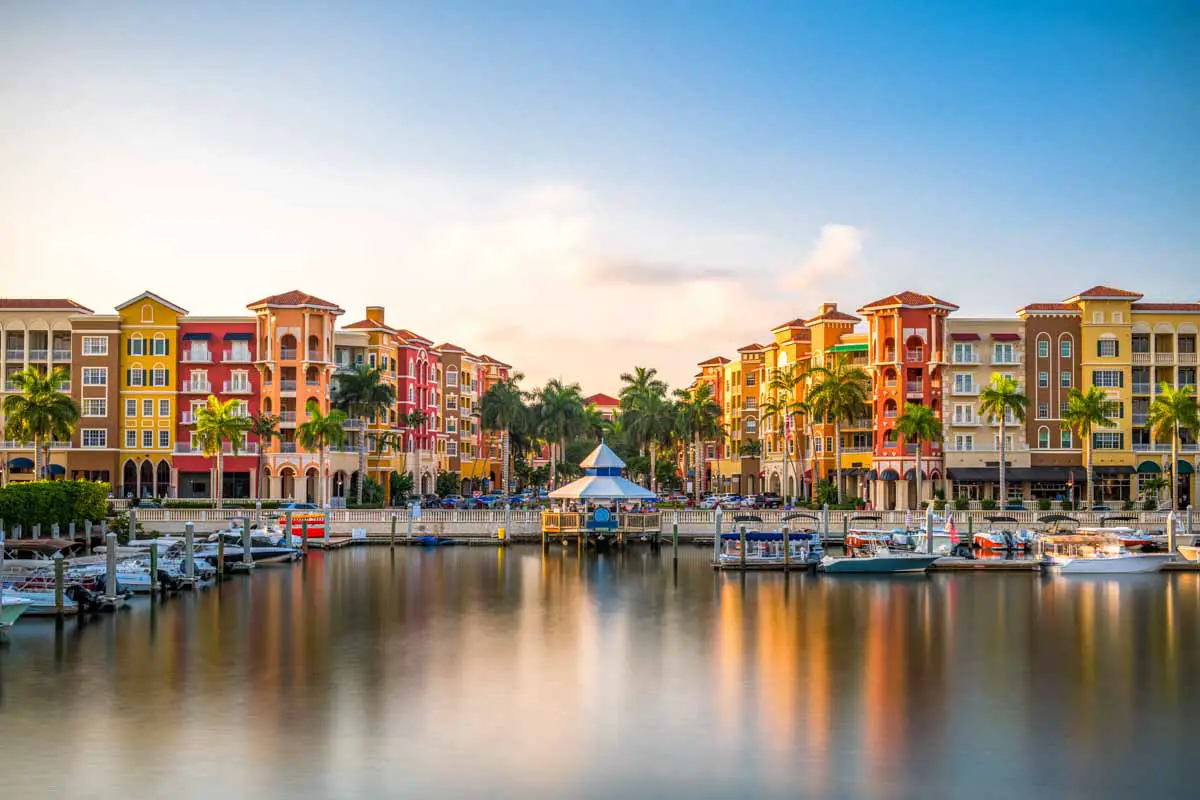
(266, 547)
(878, 560)
(12, 606)
(765, 548)
(1081, 554)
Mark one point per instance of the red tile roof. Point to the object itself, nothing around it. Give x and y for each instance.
(1049, 307)
(834, 316)
(908, 298)
(294, 298)
(602, 399)
(369, 324)
(484, 357)
(1104, 292)
(1186, 308)
(413, 337)
(792, 323)
(752, 347)
(714, 361)
(41, 304)
(452, 348)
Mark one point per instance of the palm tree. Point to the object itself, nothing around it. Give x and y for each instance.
(1173, 411)
(641, 383)
(649, 420)
(363, 393)
(919, 424)
(697, 417)
(560, 417)
(319, 432)
(266, 428)
(840, 392)
(1085, 411)
(215, 423)
(784, 406)
(503, 408)
(40, 413)
(999, 400)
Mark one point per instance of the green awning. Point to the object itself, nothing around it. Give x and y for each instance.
(1183, 467)
(1149, 468)
(848, 348)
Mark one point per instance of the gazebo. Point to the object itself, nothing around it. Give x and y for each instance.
(601, 485)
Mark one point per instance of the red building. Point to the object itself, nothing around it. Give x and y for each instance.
(906, 336)
(607, 405)
(216, 357)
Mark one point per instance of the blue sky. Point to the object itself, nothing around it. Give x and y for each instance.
(516, 177)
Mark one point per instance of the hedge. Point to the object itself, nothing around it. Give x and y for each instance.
(44, 503)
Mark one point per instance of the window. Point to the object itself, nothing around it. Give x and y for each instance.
(131, 439)
(371, 361)
(1064, 379)
(136, 346)
(750, 379)
(452, 448)
(751, 425)
(452, 376)
(95, 346)
(1108, 348)
(95, 376)
(964, 441)
(817, 444)
(1043, 411)
(136, 377)
(1118, 411)
(159, 346)
(164, 439)
(1108, 440)
(1062, 409)
(411, 394)
(1118, 317)
(1064, 348)
(1064, 439)
(94, 437)
(963, 383)
(1097, 317)
(1003, 354)
(828, 444)
(131, 408)
(451, 425)
(1043, 380)
(147, 312)
(158, 377)
(147, 439)
(147, 408)
(451, 402)
(964, 353)
(1043, 348)
(94, 407)
(1007, 442)
(1043, 438)
(410, 367)
(239, 381)
(1107, 378)
(164, 408)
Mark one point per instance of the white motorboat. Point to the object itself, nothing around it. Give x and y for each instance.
(1190, 552)
(266, 547)
(12, 606)
(1096, 554)
(880, 560)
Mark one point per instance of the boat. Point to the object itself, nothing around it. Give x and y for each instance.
(999, 538)
(266, 547)
(866, 538)
(12, 606)
(436, 541)
(1094, 553)
(767, 548)
(1131, 538)
(880, 560)
(1190, 552)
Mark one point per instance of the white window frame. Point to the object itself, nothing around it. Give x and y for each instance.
(164, 407)
(147, 407)
(164, 438)
(100, 403)
(89, 346)
(100, 436)
(1065, 442)
(1065, 348)
(137, 345)
(1064, 379)
(137, 376)
(155, 346)
(964, 441)
(101, 372)
(1107, 344)
(1113, 375)
(147, 439)
(1043, 379)
(131, 439)
(1043, 348)
(131, 407)
(158, 377)
(452, 449)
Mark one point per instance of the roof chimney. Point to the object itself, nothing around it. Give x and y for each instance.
(825, 308)
(375, 313)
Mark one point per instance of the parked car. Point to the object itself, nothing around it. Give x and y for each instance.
(709, 502)
(772, 500)
(491, 500)
(453, 501)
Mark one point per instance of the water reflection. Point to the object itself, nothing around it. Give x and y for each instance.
(445, 672)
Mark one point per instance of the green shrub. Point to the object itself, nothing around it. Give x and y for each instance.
(988, 504)
(47, 502)
(1150, 504)
(961, 504)
(939, 504)
(1043, 504)
(1128, 505)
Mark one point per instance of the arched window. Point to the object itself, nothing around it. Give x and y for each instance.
(889, 408)
(1043, 345)
(158, 347)
(136, 346)
(1066, 344)
(1043, 437)
(452, 376)
(147, 312)
(751, 425)
(410, 366)
(890, 436)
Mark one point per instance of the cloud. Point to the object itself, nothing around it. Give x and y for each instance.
(835, 255)
(655, 273)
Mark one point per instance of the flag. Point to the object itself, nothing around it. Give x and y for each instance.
(950, 529)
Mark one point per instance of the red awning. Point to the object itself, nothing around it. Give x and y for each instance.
(1006, 337)
(965, 337)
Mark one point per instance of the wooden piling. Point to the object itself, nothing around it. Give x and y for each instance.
(220, 557)
(110, 567)
(247, 556)
(392, 534)
(742, 545)
(153, 568)
(189, 550)
(59, 581)
(304, 534)
(675, 538)
(787, 550)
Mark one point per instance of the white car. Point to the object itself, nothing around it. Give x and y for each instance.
(709, 503)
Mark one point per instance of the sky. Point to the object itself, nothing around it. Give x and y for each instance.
(577, 188)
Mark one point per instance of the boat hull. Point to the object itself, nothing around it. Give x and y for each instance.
(877, 565)
(1189, 552)
(1126, 564)
(12, 609)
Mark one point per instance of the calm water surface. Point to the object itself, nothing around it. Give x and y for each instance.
(471, 672)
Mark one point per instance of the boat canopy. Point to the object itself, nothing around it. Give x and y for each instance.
(747, 518)
(1057, 518)
(1001, 518)
(799, 515)
(768, 536)
(1116, 518)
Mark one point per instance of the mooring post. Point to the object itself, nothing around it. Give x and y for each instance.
(328, 530)
(247, 556)
(1190, 529)
(287, 526)
(304, 534)
(58, 584)
(392, 535)
(1172, 522)
(970, 526)
(110, 566)
(189, 550)
(412, 511)
(258, 515)
(55, 530)
(929, 530)
(742, 545)
(37, 530)
(221, 555)
(87, 536)
(825, 523)
(153, 568)
(787, 550)
(717, 537)
(132, 525)
(675, 537)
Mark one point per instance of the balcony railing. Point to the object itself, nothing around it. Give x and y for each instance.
(287, 416)
(969, 358)
(197, 356)
(889, 355)
(236, 356)
(287, 385)
(14, 355)
(39, 355)
(914, 387)
(65, 386)
(312, 384)
(963, 420)
(9, 386)
(196, 387)
(914, 355)
(62, 355)
(250, 449)
(1141, 388)
(238, 387)
(1164, 358)
(1140, 359)
(1140, 417)
(970, 389)
(889, 414)
(1163, 447)
(315, 355)
(287, 353)
(1007, 360)
(1187, 359)
(187, 418)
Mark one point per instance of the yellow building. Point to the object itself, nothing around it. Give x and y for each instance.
(148, 389)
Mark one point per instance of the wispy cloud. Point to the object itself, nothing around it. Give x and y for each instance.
(834, 255)
(656, 273)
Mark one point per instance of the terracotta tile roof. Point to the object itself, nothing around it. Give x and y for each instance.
(369, 324)
(41, 304)
(485, 358)
(148, 295)
(1105, 291)
(715, 360)
(602, 399)
(450, 348)
(834, 316)
(1186, 308)
(792, 323)
(294, 298)
(908, 298)
(413, 337)
(753, 347)
(1049, 307)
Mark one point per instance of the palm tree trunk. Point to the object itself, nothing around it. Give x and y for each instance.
(553, 474)
(699, 465)
(321, 476)
(920, 482)
(1090, 496)
(258, 479)
(1003, 470)
(653, 464)
(562, 453)
(37, 456)
(362, 459)
(504, 455)
(837, 455)
(217, 485)
(1174, 466)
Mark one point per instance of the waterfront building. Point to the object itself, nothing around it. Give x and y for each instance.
(833, 337)
(95, 386)
(491, 372)
(783, 438)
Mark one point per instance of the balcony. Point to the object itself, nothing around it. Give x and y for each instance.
(196, 387)
(889, 355)
(187, 418)
(9, 386)
(39, 355)
(889, 413)
(917, 355)
(64, 387)
(250, 449)
(1164, 358)
(858, 423)
(969, 421)
(288, 447)
(287, 354)
(914, 387)
(312, 384)
(967, 390)
(1140, 359)
(196, 356)
(288, 386)
(856, 450)
(236, 387)
(1162, 447)
(236, 357)
(1139, 417)
(1010, 360)
(315, 355)
(966, 358)
(1187, 359)
(353, 425)
(1141, 388)
(287, 418)
(62, 355)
